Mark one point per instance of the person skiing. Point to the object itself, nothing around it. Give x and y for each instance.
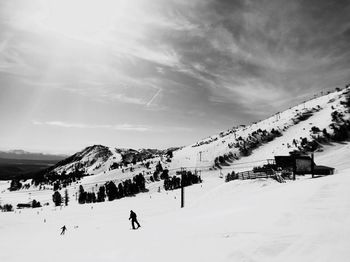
(278, 174)
(133, 218)
(64, 229)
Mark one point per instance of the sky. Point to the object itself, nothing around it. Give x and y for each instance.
(160, 73)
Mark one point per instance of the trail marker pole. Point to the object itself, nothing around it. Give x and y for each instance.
(182, 196)
(312, 165)
(294, 167)
(182, 189)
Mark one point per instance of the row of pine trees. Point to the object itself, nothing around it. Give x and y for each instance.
(108, 191)
(111, 191)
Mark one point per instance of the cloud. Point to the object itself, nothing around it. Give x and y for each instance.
(120, 127)
(178, 61)
(117, 127)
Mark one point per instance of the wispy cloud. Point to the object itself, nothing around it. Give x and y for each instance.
(200, 63)
(120, 127)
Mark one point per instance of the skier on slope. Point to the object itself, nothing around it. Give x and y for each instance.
(133, 218)
(64, 229)
(279, 174)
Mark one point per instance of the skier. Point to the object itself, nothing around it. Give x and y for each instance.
(133, 218)
(279, 171)
(64, 229)
(279, 175)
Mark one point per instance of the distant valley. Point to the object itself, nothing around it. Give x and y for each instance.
(23, 164)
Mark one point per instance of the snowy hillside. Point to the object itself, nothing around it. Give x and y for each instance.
(253, 220)
(100, 159)
(299, 128)
(295, 124)
(93, 160)
(250, 220)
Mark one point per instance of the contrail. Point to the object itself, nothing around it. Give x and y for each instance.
(154, 97)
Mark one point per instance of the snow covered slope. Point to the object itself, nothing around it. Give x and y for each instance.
(93, 160)
(258, 220)
(293, 124)
(251, 220)
(100, 159)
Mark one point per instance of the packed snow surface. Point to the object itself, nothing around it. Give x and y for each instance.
(258, 220)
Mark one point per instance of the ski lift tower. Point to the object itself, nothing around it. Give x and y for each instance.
(200, 159)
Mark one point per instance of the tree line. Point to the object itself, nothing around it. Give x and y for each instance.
(186, 179)
(111, 191)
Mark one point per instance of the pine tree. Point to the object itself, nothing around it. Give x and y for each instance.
(56, 186)
(169, 153)
(82, 195)
(7, 208)
(101, 194)
(155, 176)
(15, 185)
(120, 190)
(165, 174)
(35, 204)
(57, 198)
(159, 167)
(112, 191)
(66, 197)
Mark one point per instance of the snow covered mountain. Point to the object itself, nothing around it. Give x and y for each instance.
(91, 160)
(304, 127)
(99, 159)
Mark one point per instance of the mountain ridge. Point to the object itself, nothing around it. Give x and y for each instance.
(310, 122)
